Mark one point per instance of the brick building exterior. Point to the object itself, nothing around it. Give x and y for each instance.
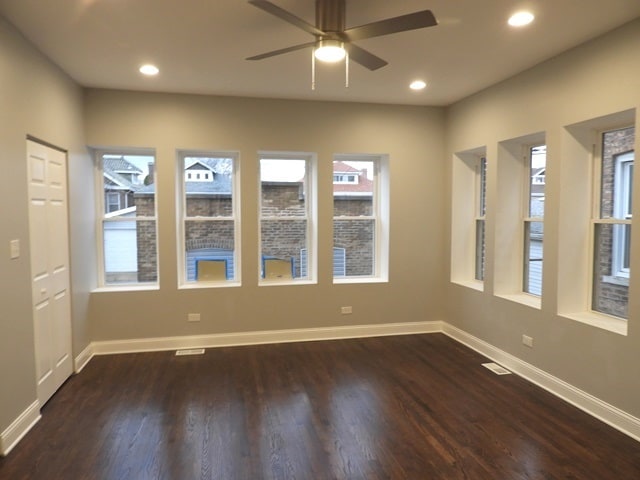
(283, 224)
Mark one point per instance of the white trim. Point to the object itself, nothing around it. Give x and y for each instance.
(264, 337)
(19, 428)
(586, 402)
(83, 358)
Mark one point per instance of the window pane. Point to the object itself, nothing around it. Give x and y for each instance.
(353, 198)
(357, 238)
(208, 187)
(617, 173)
(282, 241)
(480, 250)
(128, 225)
(483, 188)
(533, 235)
(283, 188)
(610, 292)
(209, 240)
(284, 219)
(538, 163)
(354, 235)
(209, 226)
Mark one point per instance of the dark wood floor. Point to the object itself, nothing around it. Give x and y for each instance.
(414, 407)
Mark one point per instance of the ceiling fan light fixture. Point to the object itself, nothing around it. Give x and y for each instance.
(330, 51)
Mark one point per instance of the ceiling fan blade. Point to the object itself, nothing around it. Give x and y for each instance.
(281, 51)
(363, 57)
(286, 16)
(403, 23)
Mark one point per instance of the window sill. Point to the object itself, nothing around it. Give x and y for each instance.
(599, 320)
(289, 283)
(201, 285)
(473, 284)
(126, 288)
(524, 299)
(357, 280)
(616, 280)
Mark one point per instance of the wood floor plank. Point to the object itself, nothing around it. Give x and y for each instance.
(406, 407)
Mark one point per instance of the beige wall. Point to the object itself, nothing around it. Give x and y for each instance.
(595, 80)
(413, 138)
(36, 99)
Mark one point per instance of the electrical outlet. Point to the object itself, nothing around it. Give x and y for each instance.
(193, 317)
(346, 310)
(527, 340)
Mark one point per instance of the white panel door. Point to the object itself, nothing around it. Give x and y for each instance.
(49, 241)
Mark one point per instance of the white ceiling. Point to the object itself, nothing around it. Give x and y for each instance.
(200, 46)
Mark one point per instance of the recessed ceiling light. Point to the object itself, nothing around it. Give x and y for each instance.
(417, 85)
(520, 19)
(149, 70)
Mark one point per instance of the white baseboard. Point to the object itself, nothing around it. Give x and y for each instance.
(82, 359)
(19, 428)
(263, 337)
(618, 419)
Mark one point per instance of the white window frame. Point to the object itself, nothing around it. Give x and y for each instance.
(103, 217)
(183, 282)
(380, 216)
(529, 219)
(311, 216)
(579, 215)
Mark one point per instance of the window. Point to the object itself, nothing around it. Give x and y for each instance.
(113, 201)
(612, 225)
(287, 217)
(360, 211)
(209, 218)
(534, 220)
(468, 209)
(127, 230)
(344, 178)
(481, 209)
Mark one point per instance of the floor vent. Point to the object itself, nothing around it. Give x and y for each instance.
(495, 368)
(190, 351)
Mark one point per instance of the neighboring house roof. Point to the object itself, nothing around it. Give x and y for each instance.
(120, 165)
(341, 167)
(216, 165)
(363, 187)
(114, 168)
(221, 185)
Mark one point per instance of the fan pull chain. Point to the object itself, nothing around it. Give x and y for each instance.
(346, 69)
(313, 69)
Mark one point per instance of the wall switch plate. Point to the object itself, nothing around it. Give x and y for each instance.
(14, 249)
(346, 310)
(527, 340)
(193, 317)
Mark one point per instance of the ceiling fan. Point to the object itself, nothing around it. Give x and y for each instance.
(333, 36)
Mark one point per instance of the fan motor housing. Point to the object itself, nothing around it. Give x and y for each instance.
(330, 15)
